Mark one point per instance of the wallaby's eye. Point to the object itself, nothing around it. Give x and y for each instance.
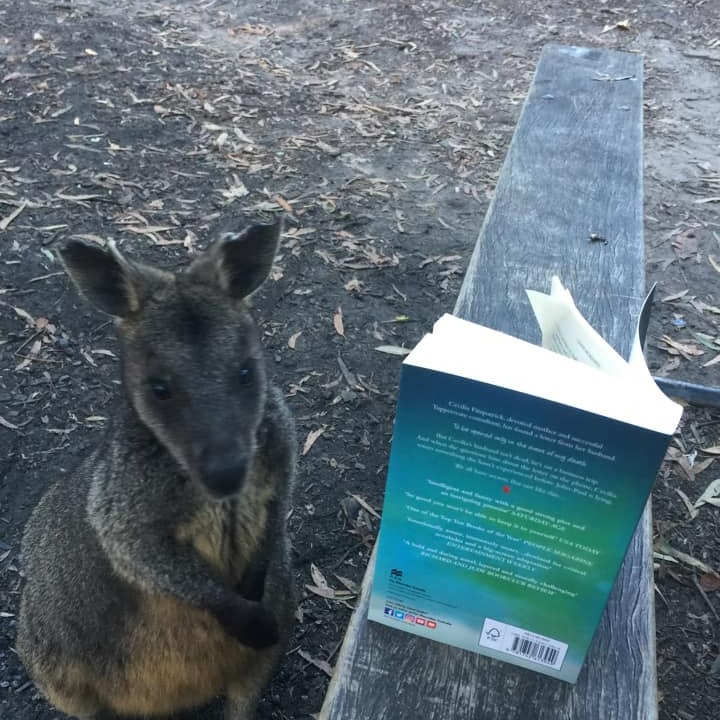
(160, 388)
(245, 375)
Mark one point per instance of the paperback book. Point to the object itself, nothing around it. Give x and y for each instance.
(517, 477)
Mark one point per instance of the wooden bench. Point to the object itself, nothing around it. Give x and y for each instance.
(573, 172)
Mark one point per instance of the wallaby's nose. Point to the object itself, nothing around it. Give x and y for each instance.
(223, 473)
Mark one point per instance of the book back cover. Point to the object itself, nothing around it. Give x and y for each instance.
(506, 519)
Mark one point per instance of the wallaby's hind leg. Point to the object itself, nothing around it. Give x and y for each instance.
(103, 715)
(244, 694)
(242, 701)
(240, 707)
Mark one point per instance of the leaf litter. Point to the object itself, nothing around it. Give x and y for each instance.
(401, 127)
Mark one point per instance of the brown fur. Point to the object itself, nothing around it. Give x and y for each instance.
(158, 576)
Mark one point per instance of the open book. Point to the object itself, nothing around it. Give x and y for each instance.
(517, 476)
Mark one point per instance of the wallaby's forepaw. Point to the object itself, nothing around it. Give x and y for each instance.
(248, 622)
(262, 434)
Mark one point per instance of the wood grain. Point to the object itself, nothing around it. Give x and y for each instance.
(574, 168)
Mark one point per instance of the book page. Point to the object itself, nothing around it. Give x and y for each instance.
(476, 352)
(567, 332)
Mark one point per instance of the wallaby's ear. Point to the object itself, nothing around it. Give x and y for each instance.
(104, 277)
(239, 262)
(245, 260)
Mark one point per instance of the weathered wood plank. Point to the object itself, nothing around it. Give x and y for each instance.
(574, 169)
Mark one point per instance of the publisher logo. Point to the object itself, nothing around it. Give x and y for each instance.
(397, 574)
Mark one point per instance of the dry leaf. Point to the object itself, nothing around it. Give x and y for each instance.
(190, 241)
(312, 436)
(685, 245)
(284, 204)
(366, 505)
(687, 469)
(692, 511)
(25, 315)
(237, 189)
(676, 296)
(327, 148)
(148, 229)
(685, 349)
(672, 364)
(32, 354)
(711, 496)
(318, 577)
(88, 357)
(701, 306)
(293, 339)
(664, 547)
(393, 349)
(338, 322)
(326, 592)
(79, 198)
(7, 424)
(354, 285)
(698, 467)
(7, 220)
(349, 584)
(621, 25)
(710, 581)
(320, 664)
(299, 232)
(322, 589)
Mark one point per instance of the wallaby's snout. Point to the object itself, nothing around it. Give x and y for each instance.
(223, 469)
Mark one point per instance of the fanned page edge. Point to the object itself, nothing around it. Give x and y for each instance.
(560, 320)
(465, 349)
(566, 332)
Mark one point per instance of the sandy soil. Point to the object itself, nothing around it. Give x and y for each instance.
(382, 128)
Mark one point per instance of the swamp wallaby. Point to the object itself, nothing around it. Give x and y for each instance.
(158, 574)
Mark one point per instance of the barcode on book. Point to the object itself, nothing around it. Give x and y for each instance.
(533, 650)
(522, 643)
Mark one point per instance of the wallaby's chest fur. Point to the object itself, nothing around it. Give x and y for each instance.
(227, 534)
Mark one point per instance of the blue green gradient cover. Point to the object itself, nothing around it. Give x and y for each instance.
(506, 519)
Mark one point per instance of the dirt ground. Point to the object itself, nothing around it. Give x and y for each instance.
(381, 128)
